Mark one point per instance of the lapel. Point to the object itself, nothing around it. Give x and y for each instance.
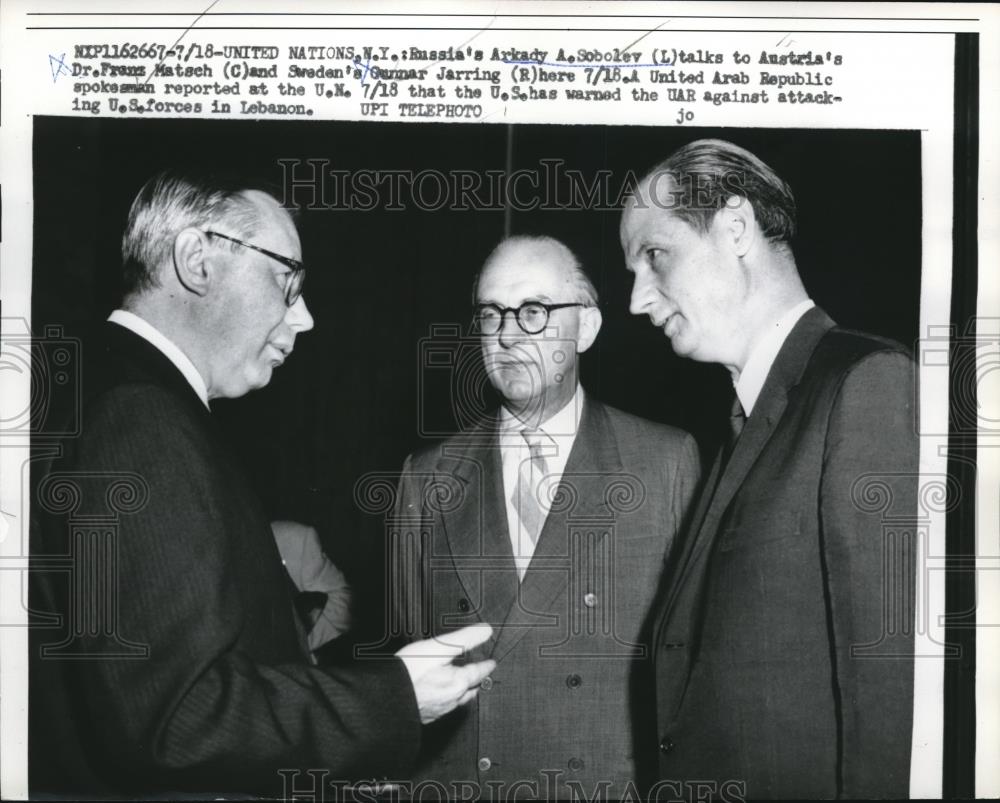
(476, 528)
(719, 490)
(129, 357)
(594, 463)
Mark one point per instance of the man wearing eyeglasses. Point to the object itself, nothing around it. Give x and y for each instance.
(173, 661)
(549, 521)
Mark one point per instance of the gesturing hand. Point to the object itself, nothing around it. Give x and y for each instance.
(440, 686)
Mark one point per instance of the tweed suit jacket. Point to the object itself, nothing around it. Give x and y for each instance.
(784, 642)
(562, 710)
(195, 677)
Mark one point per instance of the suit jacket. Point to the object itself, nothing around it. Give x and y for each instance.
(784, 644)
(571, 639)
(166, 655)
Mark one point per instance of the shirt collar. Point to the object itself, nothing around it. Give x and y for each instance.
(563, 424)
(763, 355)
(171, 350)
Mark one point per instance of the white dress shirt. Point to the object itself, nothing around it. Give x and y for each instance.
(170, 350)
(754, 373)
(560, 430)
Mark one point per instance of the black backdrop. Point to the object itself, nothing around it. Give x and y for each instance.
(350, 400)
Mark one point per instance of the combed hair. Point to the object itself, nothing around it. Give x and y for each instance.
(170, 202)
(586, 293)
(706, 172)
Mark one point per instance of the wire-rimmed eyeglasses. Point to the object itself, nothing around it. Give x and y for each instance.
(297, 271)
(532, 316)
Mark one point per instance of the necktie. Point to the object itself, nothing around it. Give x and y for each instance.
(737, 418)
(529, 476)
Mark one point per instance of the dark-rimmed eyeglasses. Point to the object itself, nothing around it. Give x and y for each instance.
(297, 271)
(532, 316)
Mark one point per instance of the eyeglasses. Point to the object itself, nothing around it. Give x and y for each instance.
(532, 316)
(297, 271)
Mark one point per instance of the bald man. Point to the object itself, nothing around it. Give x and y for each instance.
(554, 521)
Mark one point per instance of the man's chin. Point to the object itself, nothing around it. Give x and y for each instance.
(517, 391)
(251, 382)
(682, 346)
(693, 351)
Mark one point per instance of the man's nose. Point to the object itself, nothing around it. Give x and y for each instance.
(641, 293)
(510, 331)
(298, 317)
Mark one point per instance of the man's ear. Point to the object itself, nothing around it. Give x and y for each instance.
(738, 224)
(590, 325)
(190, 261)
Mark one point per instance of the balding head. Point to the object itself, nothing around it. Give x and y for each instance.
(537, 312)
(215, 265)
(543, 251)
(174, 200)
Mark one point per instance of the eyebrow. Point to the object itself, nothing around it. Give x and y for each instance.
(633, 252)
(536, 299)
(658, 242)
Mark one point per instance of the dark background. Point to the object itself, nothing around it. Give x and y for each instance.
(353, 398)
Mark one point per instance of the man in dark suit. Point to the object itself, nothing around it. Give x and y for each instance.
(166, 656)
(784, 639)
(548, 521)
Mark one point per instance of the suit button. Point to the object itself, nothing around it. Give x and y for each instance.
(484, 764)
(589, 599)
(463, 605)
(666, 744)
(574, 681)
(487, 684)
(576, 764)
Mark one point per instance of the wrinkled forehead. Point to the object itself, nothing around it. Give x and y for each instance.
(534, 268)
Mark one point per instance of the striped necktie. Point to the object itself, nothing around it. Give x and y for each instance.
(529, 477)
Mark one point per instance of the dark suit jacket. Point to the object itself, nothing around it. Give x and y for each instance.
(175, 662)
(783, 656)
(572, 637)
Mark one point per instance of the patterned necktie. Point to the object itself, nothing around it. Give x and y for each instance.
(529, 476)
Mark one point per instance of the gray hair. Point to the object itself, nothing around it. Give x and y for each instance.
(170, 202)
(585, 291)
